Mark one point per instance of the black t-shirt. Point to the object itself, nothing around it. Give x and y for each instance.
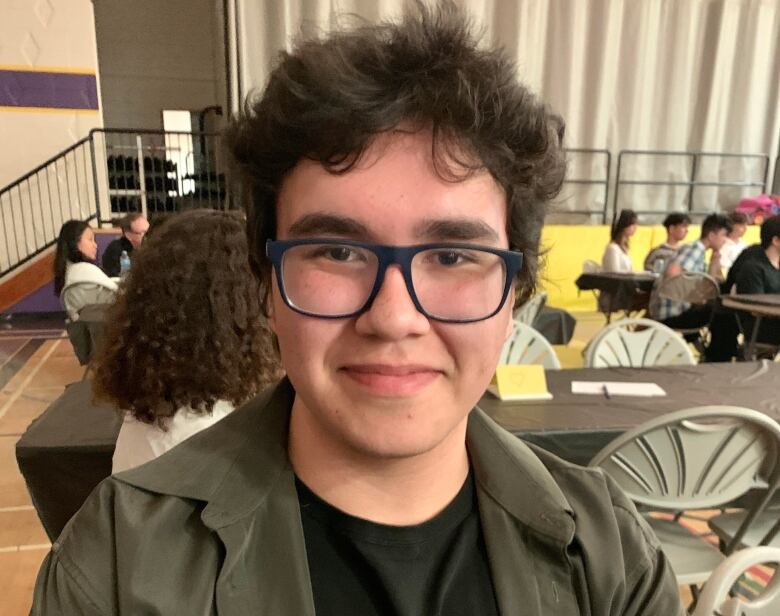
(360, 568)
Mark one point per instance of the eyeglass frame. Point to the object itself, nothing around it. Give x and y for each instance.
(392, 255)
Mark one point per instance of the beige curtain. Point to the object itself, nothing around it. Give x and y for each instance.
(625, 74)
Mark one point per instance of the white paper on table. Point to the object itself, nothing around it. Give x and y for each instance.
(617, 388)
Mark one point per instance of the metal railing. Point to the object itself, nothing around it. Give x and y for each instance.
(114, 171)
(104, 176)
(688, 181)
(34, 207)
(156, 172)
(585, 196)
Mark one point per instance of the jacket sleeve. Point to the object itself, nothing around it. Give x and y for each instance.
(60, 590)
(79, 574)
(650, 586)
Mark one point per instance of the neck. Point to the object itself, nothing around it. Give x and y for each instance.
(398, 491)
(671, 242)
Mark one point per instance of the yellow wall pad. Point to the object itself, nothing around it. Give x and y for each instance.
(48, 69)
(569, 245)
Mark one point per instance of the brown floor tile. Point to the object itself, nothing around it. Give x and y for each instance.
(13, 492)
(21, 376)
(58, 371)
(18, 571)
(20, 528)
(64, 349)
(19, 414)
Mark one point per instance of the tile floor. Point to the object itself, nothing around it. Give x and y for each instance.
(36, 362)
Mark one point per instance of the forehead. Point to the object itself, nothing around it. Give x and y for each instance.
(139, 224)
(392, 190)
(87, 233)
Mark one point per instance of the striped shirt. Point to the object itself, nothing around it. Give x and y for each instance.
(690, 258)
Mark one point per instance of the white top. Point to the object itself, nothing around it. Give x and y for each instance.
(615, 260)
(730, 252)
(85, 283)
(139, 442)
(88, 272)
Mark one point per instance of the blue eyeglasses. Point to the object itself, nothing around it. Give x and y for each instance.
(449, 282)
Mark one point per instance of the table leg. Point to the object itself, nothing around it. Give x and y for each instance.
(750, 348)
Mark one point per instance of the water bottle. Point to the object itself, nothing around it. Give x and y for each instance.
(124, 264)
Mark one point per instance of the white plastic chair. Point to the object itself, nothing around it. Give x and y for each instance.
(528, 346)
(636, 343)
(715, 599)
(690, 287)
(589, 266)
(528, 312)
(695, 459)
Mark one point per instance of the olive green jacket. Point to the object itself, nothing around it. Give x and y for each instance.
(213, 527)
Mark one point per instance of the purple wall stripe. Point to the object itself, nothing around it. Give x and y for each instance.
(48, 90)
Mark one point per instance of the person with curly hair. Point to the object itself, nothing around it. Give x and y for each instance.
(78, 282)
(396, 178)
(186, 341)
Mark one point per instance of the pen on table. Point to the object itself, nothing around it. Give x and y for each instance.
(606, 391)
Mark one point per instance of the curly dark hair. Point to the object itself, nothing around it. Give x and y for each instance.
(187, 328)
(329, 98)
(68, 250)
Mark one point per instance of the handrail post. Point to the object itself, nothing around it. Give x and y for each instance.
(692, 185)
(95, 186)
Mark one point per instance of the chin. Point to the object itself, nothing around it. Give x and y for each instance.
(399, 435)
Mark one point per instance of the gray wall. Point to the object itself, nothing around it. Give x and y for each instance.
(158, 54)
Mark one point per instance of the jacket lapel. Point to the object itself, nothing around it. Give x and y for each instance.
(526, 521)
(265, 571)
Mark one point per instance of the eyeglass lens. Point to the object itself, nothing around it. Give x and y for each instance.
(337, 279)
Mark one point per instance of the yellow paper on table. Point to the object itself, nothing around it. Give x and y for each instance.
(520, 382)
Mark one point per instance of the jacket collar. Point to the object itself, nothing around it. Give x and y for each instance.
(234, 465)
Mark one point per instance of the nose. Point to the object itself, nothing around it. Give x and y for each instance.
(392, 315)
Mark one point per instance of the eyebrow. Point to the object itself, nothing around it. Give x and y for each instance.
(456, 229)
(438, 230)
(328, 224)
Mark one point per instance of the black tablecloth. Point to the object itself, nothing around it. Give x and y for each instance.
(623, 290)
(65, 453)
(555, 324)
(577, 426)
(94, 317)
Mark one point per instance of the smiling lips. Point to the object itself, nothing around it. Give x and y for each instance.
(389, 380)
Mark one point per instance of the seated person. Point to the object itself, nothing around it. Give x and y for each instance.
(75, 271)
(691, 258)
(185, 344)
(396, 177)
(734, 244)
(616, 258)
(676, 225)
(756, 270)
(134, 227)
